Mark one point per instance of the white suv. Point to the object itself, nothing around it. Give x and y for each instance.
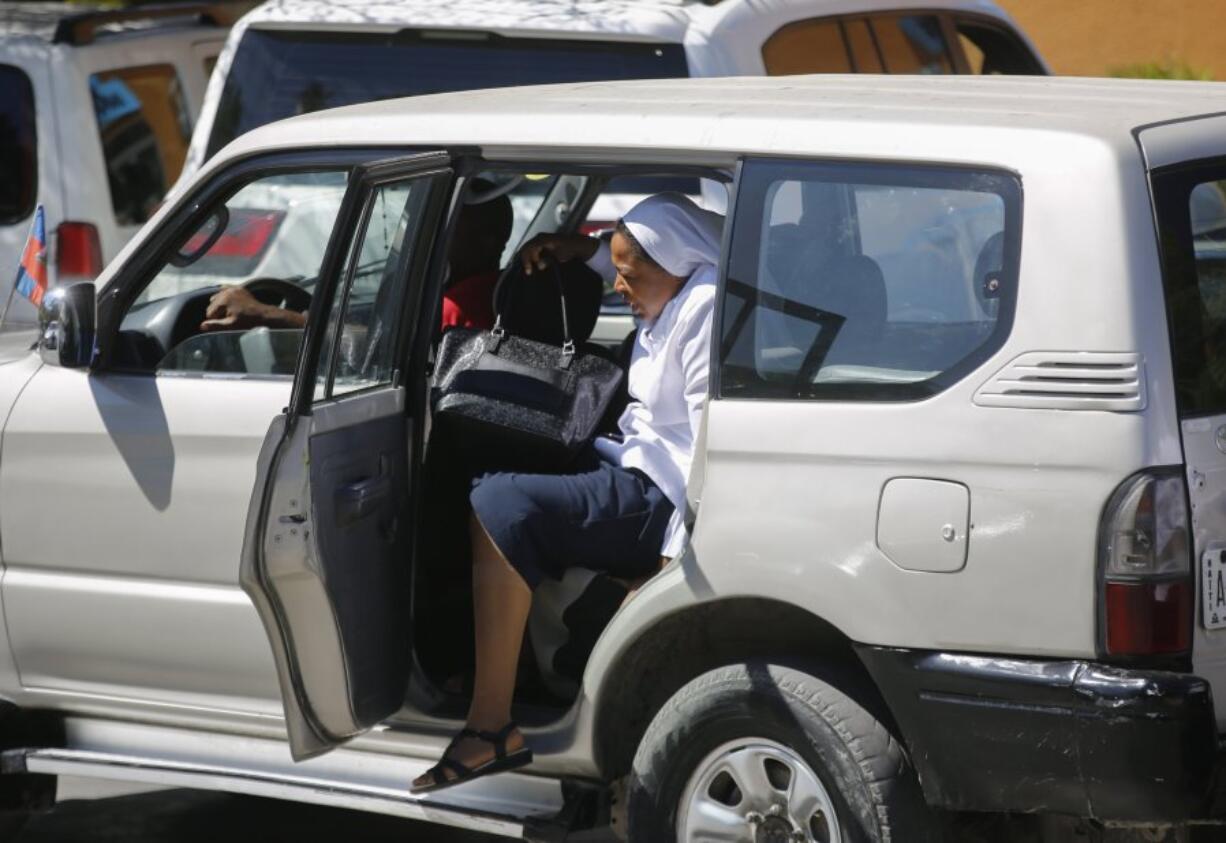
(96, 111)
(957, 537)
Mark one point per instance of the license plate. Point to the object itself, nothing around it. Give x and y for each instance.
(1213, 588)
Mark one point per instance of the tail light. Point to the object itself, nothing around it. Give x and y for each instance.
(78, 252)
(596, 226)
(248, 233)
(1146, 567)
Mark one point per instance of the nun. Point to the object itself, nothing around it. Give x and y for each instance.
(621, 508)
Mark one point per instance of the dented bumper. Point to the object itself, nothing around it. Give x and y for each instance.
(1072, 737)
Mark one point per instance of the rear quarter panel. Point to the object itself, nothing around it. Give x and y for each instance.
(789, 503)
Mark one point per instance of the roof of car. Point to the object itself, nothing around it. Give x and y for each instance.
(37, 19)
(82, 23)
(921, 117)
(662, 19)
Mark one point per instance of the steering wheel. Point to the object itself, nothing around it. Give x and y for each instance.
(279, 293)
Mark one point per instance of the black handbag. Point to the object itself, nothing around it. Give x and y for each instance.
(537, 404)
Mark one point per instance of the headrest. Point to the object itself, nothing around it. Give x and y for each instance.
(531, 307)
(854, 287)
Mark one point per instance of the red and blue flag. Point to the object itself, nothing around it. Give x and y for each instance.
(32, 273)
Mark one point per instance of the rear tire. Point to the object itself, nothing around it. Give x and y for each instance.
(765, 752)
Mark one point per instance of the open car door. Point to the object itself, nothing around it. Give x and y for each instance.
(326, 556)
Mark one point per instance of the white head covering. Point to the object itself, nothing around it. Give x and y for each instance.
(676, 233)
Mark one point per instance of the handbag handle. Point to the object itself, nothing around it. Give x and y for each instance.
(568, 345)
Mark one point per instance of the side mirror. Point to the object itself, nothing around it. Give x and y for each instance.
(66, 325)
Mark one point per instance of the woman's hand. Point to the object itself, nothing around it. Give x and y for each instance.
(560, 248)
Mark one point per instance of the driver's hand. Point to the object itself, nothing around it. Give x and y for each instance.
(561, 248)
(235, 309)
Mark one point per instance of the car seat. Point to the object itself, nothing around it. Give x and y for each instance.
(853, 286)
(531, 307)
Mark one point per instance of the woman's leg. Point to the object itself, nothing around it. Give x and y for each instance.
(501, 601)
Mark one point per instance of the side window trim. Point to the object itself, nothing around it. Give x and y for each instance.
(714, 387)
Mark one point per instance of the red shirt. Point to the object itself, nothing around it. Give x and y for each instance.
(469, 302)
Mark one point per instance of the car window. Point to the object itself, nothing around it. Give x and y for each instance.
(269, 235)
(873, 282)
(880, 43)
(366, 309)
(865, 54)
(279, 74)
(1192, 216)
(527, 194)
(144, 125)
(274, 227)
(811, 46)
(18, 146)
(911, 44)
(993, 50)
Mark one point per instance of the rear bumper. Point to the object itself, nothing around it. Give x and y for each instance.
(1072, 737)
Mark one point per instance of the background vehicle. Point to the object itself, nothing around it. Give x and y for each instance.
(96, 112)
(955, 542)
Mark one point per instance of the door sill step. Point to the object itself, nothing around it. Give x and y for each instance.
(178, 774)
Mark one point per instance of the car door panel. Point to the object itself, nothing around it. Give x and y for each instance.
(341, 584)
(121, 570)
(327, 554)
(359, 476)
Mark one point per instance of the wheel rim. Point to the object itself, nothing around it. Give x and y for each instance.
(759, 791)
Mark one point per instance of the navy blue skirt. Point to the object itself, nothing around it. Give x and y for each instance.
(599, 516)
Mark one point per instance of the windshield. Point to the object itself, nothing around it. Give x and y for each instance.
(279, 74)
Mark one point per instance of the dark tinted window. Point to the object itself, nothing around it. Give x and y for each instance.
(18, 147)
(280, 74)
(881, 43)
(912, 44)
(1192, 217)
(865, 282)
(144, 126)
(991, 50)
(810, 46)
(865, 56)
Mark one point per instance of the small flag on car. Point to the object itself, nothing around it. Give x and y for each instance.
(32, 273)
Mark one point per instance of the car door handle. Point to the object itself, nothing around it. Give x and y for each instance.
(355, 501)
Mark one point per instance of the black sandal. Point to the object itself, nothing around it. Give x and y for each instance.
(500, 763)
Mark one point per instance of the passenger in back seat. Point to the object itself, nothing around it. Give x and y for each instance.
(621, 511)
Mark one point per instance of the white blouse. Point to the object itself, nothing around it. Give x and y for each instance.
(668, 385)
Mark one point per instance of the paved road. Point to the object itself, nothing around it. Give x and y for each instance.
(184, 816)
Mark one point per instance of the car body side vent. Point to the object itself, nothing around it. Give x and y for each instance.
(1068, 380)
